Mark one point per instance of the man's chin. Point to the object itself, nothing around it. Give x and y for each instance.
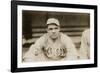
(54, 38)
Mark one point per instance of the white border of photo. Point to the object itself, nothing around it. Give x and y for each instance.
(53, 63)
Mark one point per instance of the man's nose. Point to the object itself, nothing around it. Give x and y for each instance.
(53, 31)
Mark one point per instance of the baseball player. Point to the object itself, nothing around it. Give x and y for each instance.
(85, 45)
(52, 46)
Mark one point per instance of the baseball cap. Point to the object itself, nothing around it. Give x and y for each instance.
(53, 20)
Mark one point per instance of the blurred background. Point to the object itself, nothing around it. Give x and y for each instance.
(34, 25)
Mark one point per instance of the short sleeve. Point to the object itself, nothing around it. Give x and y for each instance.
(35, 51)
(72, 52)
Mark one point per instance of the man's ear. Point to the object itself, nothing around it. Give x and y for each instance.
(59, 28)
(46, 30)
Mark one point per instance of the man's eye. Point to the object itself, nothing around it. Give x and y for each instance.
(56, 28)
(50, 28)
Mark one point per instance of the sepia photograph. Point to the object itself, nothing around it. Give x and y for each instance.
(53, 36)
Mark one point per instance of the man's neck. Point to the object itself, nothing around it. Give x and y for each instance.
(54, 39)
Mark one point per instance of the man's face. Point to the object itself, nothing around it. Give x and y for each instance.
(53, 31)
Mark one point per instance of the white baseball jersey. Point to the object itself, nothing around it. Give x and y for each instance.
(85, 45)
(45, 49)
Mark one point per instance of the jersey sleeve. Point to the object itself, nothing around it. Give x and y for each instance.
(35, 51)
(72, 52)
